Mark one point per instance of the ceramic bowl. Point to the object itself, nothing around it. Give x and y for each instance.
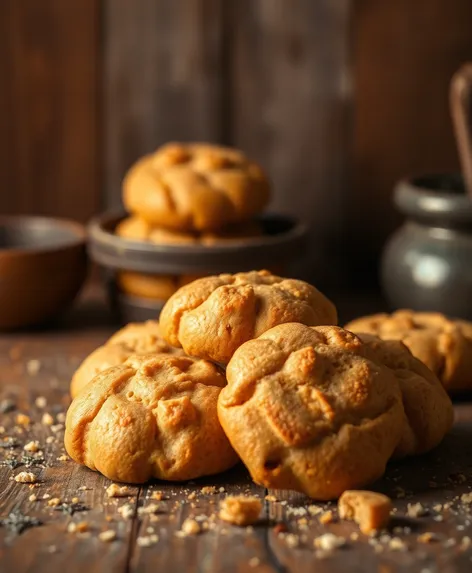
(43, 264)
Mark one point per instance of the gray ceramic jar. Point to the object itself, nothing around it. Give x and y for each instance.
(427, 264)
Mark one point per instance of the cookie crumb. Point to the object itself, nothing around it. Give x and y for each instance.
(192, 495)
(314, 510)
(270, 497)
(54, 502)
(291, 540)
(107, 536)
(370, 510)
(23, 420)
(397, 544)
(466, 498)
(191, 527)
(208, 490)
(46, 496)
(428, 537)
(327, 517)
(416, 510)
(240, 510)
(149, 509)
(47, 419)
(157, 495)
(115, 490)
(147, 540)
(126, 511)
(254, 562)
(33, 366)
(33, 497)
(329, 542)
(41, 402)
(32, 446)
(80, 527)
(25, 477)
(50, 439)
(63, 458)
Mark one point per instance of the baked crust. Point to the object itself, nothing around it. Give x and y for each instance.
(311, 409)
(152, 417)
(195, 187)
(213, 316)
(135, 338)
(443, 344)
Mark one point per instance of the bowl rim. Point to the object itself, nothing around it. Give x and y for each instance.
(77, 231)
(112, 251)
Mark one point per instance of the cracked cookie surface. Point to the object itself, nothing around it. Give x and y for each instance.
(311, 409)
(195, 187)
(134, 338)
(443, 344)
(154, 416)
(213, 316)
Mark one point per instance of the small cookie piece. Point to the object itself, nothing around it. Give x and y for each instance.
(152, 417)
(443, 344)
(135, 338)
(369, 509)
(137, 229)
(213, 316)
(428, 409)
(195, 187)
(311, 409)
(155, 287)
(240, 509)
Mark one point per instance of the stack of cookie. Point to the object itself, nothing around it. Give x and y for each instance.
(189, 194)
(252, 366)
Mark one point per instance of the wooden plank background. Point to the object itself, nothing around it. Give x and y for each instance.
(336, 98)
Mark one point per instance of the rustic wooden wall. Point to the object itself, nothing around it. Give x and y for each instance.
(49, 94)
(336, 98)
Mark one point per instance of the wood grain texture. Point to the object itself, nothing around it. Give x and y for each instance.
(49, 147)
(440, 477)
(291, 106)
(405, 54)
(162, 79)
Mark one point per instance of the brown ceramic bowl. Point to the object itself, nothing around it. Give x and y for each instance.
(43, 264)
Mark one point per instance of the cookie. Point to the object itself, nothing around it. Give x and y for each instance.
(428, 408)
(154, 416)
(213, 316)
(195, 187)
(443, 344)
(155, 287)
(136, 229)
(135, 338)
(311, 409)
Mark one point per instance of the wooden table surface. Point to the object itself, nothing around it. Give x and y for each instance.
(39, 365)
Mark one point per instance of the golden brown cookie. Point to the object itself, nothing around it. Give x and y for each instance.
(135, 338)
(152, 417)
(136, 229)
(213, 316)
(195, 187)
(443, 344)
(311, 409)
(155, 287)
(428, 408)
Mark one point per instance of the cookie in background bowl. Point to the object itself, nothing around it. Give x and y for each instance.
(443, 344)
(213, 316)
(154, 416)
(195, 187)
(135, 338)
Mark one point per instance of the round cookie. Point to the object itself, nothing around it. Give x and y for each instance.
(311, 409)
(443, 344)
(136, 229)
(195, 187)
(213, 316)
(135, 338)
(428, 408)
(155, 416)
(156, 287)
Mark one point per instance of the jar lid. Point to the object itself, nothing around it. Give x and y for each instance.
(436, 199)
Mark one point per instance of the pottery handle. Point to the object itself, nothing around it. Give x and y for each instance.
(461, 110)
